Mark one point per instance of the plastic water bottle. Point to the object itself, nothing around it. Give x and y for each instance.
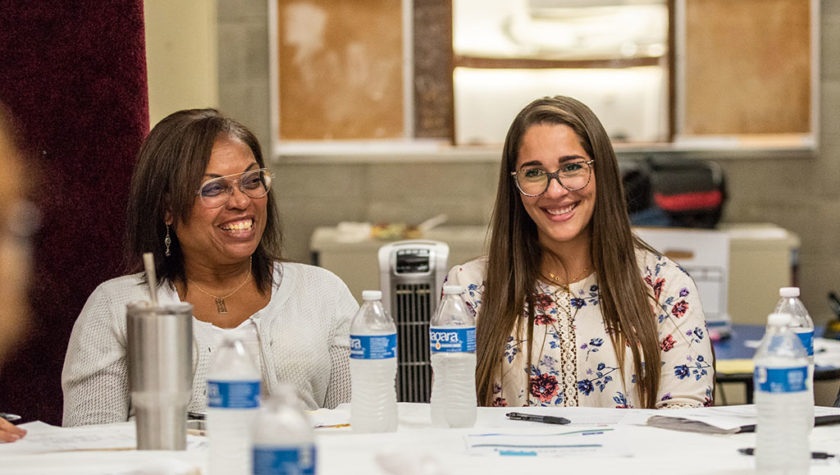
(373, 367)
(233, 398)
(801, 324)
(284, 441)
(782, 400)
(452, 347)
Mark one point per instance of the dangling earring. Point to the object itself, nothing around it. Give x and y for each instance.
(167, 241)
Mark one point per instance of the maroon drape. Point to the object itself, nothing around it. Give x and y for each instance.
(73, 73)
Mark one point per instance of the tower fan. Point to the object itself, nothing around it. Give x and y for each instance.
(411, 274)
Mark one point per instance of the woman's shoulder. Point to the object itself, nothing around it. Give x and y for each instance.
(313, 288)
(298, 272)
(109, 298)
(654, 264)
(131, 286)
(296, 279)
(469, 272)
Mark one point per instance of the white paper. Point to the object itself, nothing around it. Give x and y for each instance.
(569, 441)
(730, 417)
(45, 438)
(724, 417)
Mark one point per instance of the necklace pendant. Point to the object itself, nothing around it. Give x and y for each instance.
(220, 305)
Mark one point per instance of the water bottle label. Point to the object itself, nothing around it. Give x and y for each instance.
(373, 347)
(233, 394)
(781, 380)
(284, 460)
(807, 339)
(451, 340)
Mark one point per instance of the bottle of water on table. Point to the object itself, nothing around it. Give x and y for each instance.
(284, 441)
(782, 400)
(452, 348)
(803, 326)
(233, 398)
(373, 367)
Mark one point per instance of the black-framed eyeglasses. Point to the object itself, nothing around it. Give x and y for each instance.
(534, 181)
(217, 191)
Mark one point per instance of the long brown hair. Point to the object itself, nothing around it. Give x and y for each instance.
(515, 255)
(169, 170)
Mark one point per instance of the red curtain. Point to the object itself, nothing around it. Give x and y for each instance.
(73, 73)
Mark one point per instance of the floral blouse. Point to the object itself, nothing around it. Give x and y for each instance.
(574, 362)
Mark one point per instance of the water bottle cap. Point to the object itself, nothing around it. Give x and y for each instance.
(452, 290)
(371, 295)
(788, 292)
(779, 319)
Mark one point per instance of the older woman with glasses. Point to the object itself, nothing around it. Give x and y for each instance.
(201, 201)
(572, 308)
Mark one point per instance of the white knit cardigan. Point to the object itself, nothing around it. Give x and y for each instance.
(303, 336)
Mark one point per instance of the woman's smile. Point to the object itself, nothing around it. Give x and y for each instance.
(558, 213)
(238, 226)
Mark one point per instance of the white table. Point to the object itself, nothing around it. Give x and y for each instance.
(417, 448)
(653, 450)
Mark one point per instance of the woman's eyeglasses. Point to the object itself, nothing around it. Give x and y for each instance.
(217, 191)
(534, 181)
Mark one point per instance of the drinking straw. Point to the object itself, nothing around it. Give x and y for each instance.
(149, 264)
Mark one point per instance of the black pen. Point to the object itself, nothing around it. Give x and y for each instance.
(814, 455)
(518, 416)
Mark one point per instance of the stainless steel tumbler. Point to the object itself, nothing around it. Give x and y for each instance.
(160, 372)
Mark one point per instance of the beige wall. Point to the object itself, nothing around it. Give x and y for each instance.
(180, 55)
(800, 193)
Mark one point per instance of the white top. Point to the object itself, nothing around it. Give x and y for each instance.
(246, 332)
(574, 361)
(303, 336)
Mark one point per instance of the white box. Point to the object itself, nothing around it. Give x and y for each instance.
(704, 254)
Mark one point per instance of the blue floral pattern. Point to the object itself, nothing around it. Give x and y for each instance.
(573, 361)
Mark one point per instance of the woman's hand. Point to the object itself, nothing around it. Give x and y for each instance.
(10, 432)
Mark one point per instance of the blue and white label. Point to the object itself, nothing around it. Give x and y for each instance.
(781, 380)
(284, 460)
(233, 394)
(373, 347)
(452, 340)
(807, 339)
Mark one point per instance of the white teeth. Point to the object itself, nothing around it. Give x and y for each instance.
(560, 211)
(239, 225)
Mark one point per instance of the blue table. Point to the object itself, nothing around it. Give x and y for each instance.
(733, 348)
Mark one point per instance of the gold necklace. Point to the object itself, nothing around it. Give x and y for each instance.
(557, 281)
(220, 301)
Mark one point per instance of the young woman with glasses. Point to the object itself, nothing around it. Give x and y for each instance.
(572, 308)
(201, 201)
